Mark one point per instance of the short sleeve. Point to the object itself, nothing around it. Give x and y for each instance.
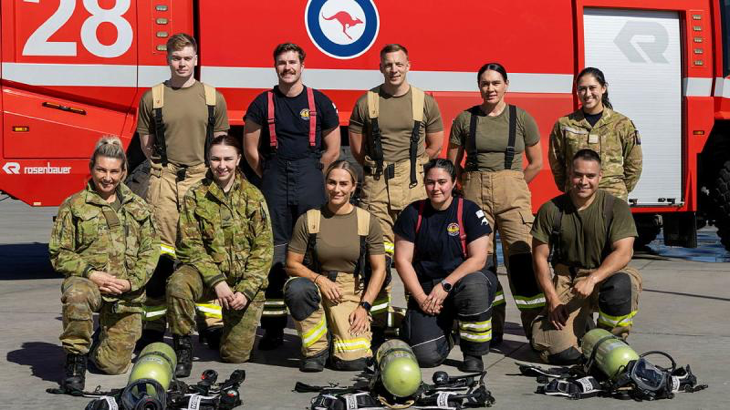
(405, 226)
(256, 111)
(459, 130)
(433, 120)
(623, 222)
(543, 225)
(375, 237)
(530, 132)
(221, 113)
(475, 222)
(300, 236)
(144, 115)
(357, 118)
(328, 112)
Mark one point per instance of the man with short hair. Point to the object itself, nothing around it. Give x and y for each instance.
(591, 234)
(177, 119)
(395, 129)
(291, 134)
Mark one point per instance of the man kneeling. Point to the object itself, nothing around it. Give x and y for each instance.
(591, 234)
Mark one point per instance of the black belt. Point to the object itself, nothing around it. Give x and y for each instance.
(388, 172)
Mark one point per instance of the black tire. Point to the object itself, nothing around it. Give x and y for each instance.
(138, 179)
(721, 191)
(723, 231)
(648, 227)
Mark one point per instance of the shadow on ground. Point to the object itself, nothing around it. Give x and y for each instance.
(37, 356)
(25, 261)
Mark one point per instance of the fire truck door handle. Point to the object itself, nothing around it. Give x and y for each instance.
(66, 108)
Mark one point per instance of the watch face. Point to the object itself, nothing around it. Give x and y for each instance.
(446, 285)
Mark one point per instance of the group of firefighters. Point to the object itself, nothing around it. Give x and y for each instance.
(209, 246)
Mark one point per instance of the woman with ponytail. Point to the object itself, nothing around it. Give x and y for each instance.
(596, 126)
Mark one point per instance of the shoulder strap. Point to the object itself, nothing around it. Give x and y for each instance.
(313, 219)
(271, 119)
(158, 95)
(376, 143)
(509, 154)
(158, 101)
(608, 204)
(210, 95)
(421, 208)
(210, 100)
(363, 221)
(462, 230)
(418, 102)
(555, 234)
(373, 103)
(471, 142)
(312, 118)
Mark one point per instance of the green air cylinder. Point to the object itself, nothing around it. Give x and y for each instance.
(613, 353)
(157, 361)
(399, 370)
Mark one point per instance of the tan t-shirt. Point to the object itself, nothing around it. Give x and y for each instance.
(186, 117)
(492, 135)
(396, 124)
(338, 244)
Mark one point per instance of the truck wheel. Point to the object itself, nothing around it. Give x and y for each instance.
(723, 231)
(648, 226)
(138, 179)
(722, 190)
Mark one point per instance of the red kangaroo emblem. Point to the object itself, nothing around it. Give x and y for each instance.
(345, 19)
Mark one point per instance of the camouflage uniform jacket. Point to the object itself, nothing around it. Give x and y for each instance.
(90, 235)
(227, 236)
(614, 138)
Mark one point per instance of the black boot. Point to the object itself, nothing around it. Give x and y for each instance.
(75, 372)
(272, 339)
(315, 363)
(212, 336)
(471, 364)
(184, 350)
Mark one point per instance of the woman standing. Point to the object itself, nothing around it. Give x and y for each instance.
(226, 248)
(441, 253)
(105, 244)
(333, 291)
(596, 126)
(494, 135)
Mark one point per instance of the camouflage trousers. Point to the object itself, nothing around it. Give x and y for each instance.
(185, 287)
(120, 327)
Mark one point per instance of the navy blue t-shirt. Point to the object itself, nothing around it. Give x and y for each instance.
(292, 122)
(438, 244)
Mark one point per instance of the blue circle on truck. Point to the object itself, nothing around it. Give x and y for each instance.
(342, 29)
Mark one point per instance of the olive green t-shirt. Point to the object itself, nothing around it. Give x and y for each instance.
(492, 136)
(338, 244)
(186, 118)
(395, 119)
(583, 233)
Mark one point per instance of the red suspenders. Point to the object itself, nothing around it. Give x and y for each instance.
(272, 120)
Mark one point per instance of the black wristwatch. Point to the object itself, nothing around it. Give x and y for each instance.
(366, 305)
(446, 285)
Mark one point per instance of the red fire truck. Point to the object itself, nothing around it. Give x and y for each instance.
(75, 69)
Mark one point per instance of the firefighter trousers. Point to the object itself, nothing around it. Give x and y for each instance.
(470, 303)
(506, 201)
(185, 288)
(168, 185)
(318, 320)
(616, 300)
(120, 326)
(291, 188)
(385, 196)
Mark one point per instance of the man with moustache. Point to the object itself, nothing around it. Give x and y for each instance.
(291, 134)
(591, 234)
(395, 129)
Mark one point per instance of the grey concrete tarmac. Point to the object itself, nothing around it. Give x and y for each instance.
(684, 310)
